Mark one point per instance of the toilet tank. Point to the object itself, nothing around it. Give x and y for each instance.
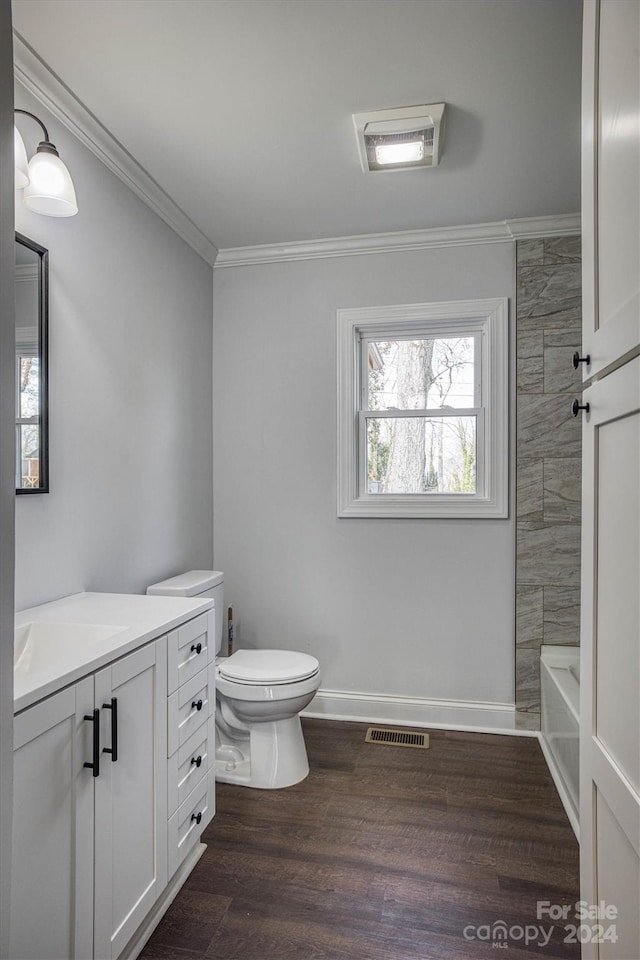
(203, 584)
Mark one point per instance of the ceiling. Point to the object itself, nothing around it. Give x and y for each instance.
(241, 109)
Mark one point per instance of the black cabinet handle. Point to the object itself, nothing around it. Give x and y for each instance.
(94, 718)
(197, 817)
(576, 407)
(197, 647)
(576, 360)
(113, 749)
(196, 760)
(198, 705)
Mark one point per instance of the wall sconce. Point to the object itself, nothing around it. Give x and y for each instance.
(47, 184)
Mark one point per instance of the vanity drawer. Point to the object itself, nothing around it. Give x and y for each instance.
(189, 708)
(188, 651)
(186, 825)
(189, 764)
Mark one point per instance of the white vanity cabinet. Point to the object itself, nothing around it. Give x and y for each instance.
(90, 842)
(52, 870)
(191, 738)
(130, 796)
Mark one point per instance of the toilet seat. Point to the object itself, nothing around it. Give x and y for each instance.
(267, 667)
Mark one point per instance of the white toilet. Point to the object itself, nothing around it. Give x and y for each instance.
(259, 696)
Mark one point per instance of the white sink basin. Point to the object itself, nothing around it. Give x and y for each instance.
(42, 646)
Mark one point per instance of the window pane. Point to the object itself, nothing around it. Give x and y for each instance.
(29, 439)
(29, 387)
(421, 374)
(421, 455)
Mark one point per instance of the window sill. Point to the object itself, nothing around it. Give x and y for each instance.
(446, 508)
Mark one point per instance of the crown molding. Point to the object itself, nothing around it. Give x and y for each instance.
(36, 77)
(501, 231)
(533, 228)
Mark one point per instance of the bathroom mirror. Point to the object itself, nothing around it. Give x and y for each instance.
(32, 322)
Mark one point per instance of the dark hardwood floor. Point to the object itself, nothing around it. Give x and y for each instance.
(382, 853)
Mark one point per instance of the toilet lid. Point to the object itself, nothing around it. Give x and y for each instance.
(268, 666)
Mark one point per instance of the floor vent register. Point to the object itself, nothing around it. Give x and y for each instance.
(397, 738)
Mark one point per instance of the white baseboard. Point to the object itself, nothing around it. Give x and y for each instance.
(416, 712)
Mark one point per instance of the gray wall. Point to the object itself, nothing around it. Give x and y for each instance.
(7, 479)
(130, 391)
(548, 459)
(420, 608)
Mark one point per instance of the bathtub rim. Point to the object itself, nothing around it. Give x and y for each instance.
(555, 660)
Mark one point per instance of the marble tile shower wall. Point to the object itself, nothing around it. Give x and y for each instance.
(548, 450)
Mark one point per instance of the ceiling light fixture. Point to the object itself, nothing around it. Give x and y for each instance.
(410, 152)
(400, 139)
(47, 184)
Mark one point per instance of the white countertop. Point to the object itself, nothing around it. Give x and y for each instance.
(117, 623)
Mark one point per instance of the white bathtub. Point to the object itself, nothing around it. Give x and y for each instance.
(560, 737)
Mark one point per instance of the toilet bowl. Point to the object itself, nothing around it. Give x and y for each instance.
(259, 696)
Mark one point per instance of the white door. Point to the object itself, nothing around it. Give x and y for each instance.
(52, 871)
(610, 636)
(611, 181)
(130, 796)
(610, 721)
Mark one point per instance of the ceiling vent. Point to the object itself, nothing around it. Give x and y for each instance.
(400, 139)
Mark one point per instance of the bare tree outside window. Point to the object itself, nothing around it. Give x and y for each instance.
(423, 453)
(423, 410)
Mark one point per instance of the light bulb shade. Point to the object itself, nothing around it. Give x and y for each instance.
(20, 161)
(50, 190)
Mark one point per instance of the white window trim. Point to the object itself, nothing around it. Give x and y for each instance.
(490, 317)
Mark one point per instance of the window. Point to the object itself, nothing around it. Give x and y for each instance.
(422, 410)
(27, 409)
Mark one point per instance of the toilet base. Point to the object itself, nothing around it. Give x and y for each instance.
(273, 755)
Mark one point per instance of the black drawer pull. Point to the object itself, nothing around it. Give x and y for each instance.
(197, 817)
(94, 718)
(113, 749)
(576, 407)
(576, 360)
(198, 705)
(197, 647)
(196, 760)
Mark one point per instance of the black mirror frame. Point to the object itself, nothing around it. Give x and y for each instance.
(43, 344)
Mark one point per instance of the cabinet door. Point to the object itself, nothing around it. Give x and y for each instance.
(610, 182)
(610, 632)
(52, 870)
(131, 795)
(610, 677)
